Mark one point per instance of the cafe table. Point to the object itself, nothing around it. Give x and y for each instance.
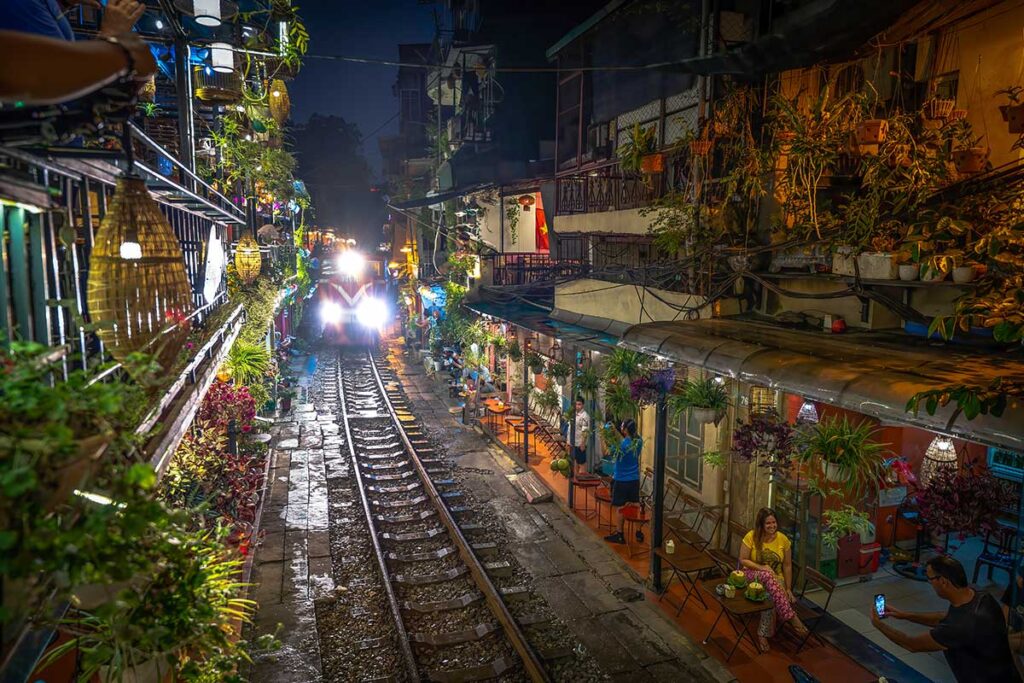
(740, 613)
(685, 563)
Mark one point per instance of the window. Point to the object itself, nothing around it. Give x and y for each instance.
(683, 449)
(410, 102)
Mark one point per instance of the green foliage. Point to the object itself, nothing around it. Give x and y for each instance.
(680, 225)
(640, 141)
(512, 212)
(846, 445)
(702, 393)
(626, 365)
(586, 383)
(619, 402)
(559, 371)
(248, 363)
(515, 351)
(971, 399)
(842, 522)
(714, 459)
(460, 266)
(535, 361)
(548, 401)
(259, 300)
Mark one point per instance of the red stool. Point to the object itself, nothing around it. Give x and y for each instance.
(635, 518)
(587, 484)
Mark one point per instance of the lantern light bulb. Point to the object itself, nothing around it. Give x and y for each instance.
(131, 250)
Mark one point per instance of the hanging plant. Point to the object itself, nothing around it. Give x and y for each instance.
(966, 502)
(515, 351)
(618, 400)
(559, 371)
(512, 213)
(535, 362)
(766, 440)
(586, 383)
(707, 399)
(625, 364)
(839, 451)
(646, 389)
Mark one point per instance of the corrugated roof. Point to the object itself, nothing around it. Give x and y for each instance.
(874, 373)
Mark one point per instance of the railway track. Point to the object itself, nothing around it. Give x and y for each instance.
(452, 623)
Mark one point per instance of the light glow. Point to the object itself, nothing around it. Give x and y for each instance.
(131, 251)
(206, 12)
(222, 58)
(372, 313)
(330, 312)
(351, 263)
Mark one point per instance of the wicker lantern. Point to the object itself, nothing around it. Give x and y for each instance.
(280, 104)
(247, 259)
(137, 280)
(762, 400)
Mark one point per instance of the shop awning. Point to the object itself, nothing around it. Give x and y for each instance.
(598, 338)
(874, 373)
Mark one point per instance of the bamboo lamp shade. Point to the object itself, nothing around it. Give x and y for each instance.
(247, 259)
(762, 400)
(139, 293)
(280, 104)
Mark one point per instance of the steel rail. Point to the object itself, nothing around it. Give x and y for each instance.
(412, 669)
(531, 661)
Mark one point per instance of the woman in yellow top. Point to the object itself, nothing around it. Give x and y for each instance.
(766, 557)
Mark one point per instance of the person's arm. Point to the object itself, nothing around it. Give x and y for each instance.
(39, 70)
(922, 642)
(923, 618)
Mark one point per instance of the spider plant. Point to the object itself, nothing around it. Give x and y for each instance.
(837, 449)
(707, 394)
(619, 402)
(248, 362)
(842, 522)
(586, 383)
(624, 365)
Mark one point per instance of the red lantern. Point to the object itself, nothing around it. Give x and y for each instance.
(838, 326)
(526, 201)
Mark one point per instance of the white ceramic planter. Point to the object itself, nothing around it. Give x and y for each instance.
(872, 265)
(703, 415)
(833, 472)
(963, 274)
(909, 273)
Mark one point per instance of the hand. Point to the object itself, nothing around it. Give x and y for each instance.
(876, 621)
(893, 613)
(119, 16)
(145, 65)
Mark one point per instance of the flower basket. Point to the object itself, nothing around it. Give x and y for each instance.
(701, 148)
(938, 109)
(957, 115)
(652, 163)
(872, 131)
(704, 415)
(971, 160)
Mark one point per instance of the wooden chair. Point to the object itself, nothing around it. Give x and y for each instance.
(809, 615)
(727, 558)
(677, 523)
(696, 537)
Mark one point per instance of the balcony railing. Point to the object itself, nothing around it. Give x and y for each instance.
(607, 188)
(531, 268)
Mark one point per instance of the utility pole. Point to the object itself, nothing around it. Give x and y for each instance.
(660, 434)
(526, 402)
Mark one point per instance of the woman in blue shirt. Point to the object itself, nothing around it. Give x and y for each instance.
(626, 476)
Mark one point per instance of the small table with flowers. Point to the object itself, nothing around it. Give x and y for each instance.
(738, 611)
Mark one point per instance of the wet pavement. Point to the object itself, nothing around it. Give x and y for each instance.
(597, 595)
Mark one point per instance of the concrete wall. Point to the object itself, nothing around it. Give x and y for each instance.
(628, 221)
(622, 301)
(494, 221)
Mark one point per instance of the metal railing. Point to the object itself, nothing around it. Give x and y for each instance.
(530, 268)
(606, 187)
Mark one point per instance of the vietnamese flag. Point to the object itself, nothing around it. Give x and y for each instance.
(542, 229)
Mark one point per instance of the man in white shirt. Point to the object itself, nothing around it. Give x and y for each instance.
(579, 446)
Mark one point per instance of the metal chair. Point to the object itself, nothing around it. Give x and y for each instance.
(813, 616)
(997, 553)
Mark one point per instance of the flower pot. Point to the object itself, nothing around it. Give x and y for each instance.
(909, 272)
(1013, 114)
(963, 274)
(701, 148)
(872, 131)
(930, 274)
(704, 415)
(537, 369)
(833, 472)
(652, 163)
(938, 109)
(957, 115)
(872, 265)
(970, 160)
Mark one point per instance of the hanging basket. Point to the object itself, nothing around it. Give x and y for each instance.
(938, 109)
(280, 104)
(701, 148)
(214, 87)
(247, 259)
(147, 93)
(872, 131)
(971, 160)
(138, 299)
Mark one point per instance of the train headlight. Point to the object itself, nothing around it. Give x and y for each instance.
(372, 313)
(351, 263)
(330, 312)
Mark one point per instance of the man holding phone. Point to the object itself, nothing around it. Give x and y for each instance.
(971, 634)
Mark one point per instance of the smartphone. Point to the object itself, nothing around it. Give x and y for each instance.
(880, 605)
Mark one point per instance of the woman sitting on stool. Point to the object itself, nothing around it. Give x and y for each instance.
(766, 557)
(626, 477)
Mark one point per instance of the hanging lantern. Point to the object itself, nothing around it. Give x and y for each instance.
(808, 413)
(280, 104)
(147, 93)
(941, 453)
(526, 201)
(762, 400)
(247, 259)
(213, 87)
(222, 58)
(137, 280)
(207, 12)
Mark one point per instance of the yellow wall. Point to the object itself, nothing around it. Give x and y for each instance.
(621, 302)
(626, 221)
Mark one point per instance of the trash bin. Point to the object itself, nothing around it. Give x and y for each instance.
(869, 555)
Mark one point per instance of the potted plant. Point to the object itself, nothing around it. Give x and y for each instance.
(872, 131)
(559, 371)
(964, 273)
(646, 389)
(586, 383)
(971, 159)
(1013, 112)
(765, 439)
(515, 352)
(624, 364)
(535, 361)
(618, 400)
(938, 108)
(637, 153)
(706, 399)
(845, 523)
(838, 450)
(287, 395)
(965, 501)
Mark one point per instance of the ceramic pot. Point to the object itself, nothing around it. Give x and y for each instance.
(909, 273)
(963, 274)
(929, 274)
(652, 163)
(833, 472)
(704, 415)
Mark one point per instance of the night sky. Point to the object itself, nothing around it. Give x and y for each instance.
(359, 93)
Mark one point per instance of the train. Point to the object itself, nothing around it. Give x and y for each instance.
(353, 299)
